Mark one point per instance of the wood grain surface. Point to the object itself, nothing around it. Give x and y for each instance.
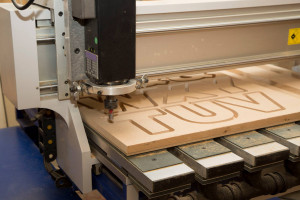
(188, 109)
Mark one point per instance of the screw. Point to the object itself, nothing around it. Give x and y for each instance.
(66, 82)
(63, 34)
(72, 89)
(66, 94)
(99, 92)
(60, 14)
(77, 51)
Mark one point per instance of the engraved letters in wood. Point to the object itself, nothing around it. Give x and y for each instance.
(184, 112)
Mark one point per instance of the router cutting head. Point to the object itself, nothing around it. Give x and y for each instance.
(110, 50)
(110, 103)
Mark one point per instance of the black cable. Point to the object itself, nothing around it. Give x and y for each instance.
(61, 180)
(23, 7)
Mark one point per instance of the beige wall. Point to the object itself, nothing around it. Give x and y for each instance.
(2, 113)
(7, 112)
(10, 113)
(6, 107)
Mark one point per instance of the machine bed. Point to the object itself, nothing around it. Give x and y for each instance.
(253, 148)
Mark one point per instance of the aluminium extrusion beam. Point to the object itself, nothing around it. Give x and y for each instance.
(155, 172)
(257, 150)
(187, 35)
(287, 135)
(211, 161)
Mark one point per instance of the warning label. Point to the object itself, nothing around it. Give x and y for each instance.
(92, 64)
(294, 36)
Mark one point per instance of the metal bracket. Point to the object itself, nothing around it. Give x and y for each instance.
(112, 90)
(80, 88)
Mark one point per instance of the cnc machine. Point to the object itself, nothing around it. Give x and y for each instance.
(61, 58)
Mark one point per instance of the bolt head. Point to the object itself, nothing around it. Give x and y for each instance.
(77, 51)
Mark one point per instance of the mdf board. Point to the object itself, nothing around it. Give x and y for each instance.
(188, 111)
(281, 78)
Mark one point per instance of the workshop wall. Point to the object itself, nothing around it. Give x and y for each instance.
(10, 113)
(7, 110)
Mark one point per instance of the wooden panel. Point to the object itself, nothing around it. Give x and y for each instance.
(2, 111)
(7, 112)
(189, 111)
(277, 77)
(10, 113)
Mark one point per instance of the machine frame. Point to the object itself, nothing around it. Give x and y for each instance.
(203, 31)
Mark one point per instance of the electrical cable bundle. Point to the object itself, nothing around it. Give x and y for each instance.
(23, 7)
